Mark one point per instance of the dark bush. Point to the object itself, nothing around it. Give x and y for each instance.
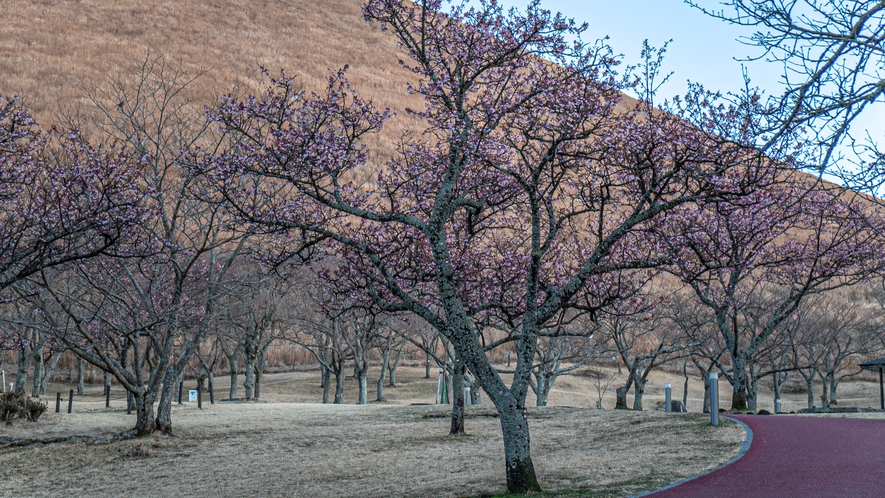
(19, 405)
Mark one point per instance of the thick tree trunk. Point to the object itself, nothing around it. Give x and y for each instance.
(363, 386)
(339, 387)
(834, 383)
(458, 401)
(249, 382)
(167, 394)
(81, 374)
(259, 373)
(638, 391)
(621, 398)
(521, 477)
(144, 414)
(740, 394)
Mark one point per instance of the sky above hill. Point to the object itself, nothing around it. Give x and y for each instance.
(703, 49)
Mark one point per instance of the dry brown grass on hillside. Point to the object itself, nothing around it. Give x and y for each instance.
(49, 49)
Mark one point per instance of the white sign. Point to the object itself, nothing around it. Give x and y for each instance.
(192, 395)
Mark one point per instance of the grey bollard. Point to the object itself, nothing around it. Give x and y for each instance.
(57, 402)
(777, 406)
(71, 401)
(714, 398)
(667, 398)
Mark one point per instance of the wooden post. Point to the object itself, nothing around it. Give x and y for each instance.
(71, 401)
(180, 388)
(211, 393)
(199, 398)
(129, 402)
(57, 402)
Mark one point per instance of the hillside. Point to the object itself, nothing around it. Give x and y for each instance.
(51, 50)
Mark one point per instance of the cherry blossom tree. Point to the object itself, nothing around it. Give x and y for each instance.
(533, 183)
(788, 240)
(62, 198)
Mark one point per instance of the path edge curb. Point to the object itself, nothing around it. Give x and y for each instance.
(745, 446)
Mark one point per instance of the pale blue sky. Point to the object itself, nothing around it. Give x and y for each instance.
(703, 49)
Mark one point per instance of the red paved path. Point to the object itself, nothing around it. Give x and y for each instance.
(802, 457)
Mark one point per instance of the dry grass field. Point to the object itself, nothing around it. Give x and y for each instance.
(285, 447)
(289, 445)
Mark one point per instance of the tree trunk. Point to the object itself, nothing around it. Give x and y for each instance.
(621, 398)
(361, 381)
(458, 401)
(685, 387)
(107, 383)
(540, 391)
(521, 477)
(339, 386)
(751, 398)
(391, 368)
(232, 393)
(38, 372)
(426, 365)
(47, 372)
(379, 388)
(809, 383)
(706, 376)
(638, 391)
(740, 394)
(834, 383)
(144, 413)
(81, 374)
(259, 373)
(21, 375)
(825, 395)
(164, 409)
(249, 383)
(327, 380)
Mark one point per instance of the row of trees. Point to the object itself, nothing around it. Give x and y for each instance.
(534, 208)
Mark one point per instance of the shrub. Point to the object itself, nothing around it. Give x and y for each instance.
(19, 405)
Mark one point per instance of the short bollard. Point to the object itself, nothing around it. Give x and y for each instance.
(71, 401)
(667, 398)
(199, 398)
(57, 402)
(777, 406)
(180, 389)
(211, 393)
(714, 398)
(107, 396)
(129, 400)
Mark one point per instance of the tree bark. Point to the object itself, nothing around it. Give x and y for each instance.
(458, 401)
(144, 413)
(326, 380)
(379, 388)
(249, 382)
(339, 386)
(426, 365)
(740, 394)
(638, 391)
(521, 477)
(391, 368)
(21, 375)
(38, 372)
(164, 409)
(81, 374)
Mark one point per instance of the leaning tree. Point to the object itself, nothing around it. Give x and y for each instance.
(532, 181)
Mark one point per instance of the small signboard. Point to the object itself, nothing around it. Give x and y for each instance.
(192, 395)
